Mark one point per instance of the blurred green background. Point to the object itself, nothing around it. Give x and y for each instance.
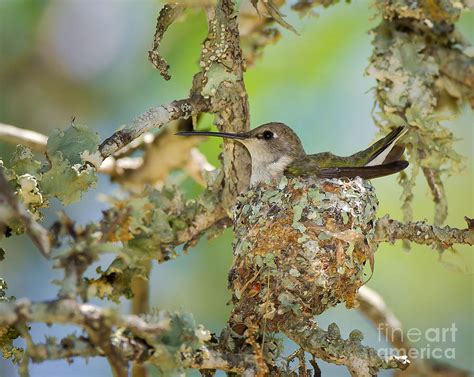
(87, 59)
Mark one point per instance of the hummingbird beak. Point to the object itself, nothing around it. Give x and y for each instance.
(226, 135)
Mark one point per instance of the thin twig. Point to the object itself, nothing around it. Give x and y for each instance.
(15, 135)
(373, 306)
(163, 153)
(167, 16)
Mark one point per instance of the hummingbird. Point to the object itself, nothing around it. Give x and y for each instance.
(276, 150)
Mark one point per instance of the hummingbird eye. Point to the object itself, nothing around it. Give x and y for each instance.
(267, 135)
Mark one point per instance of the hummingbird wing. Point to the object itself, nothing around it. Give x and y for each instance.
(384, 151)
(365, 172)
(395, 154)
(380, 159)
(306, 167)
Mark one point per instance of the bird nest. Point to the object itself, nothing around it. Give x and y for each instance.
(300, 248)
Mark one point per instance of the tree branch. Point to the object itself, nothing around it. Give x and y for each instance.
(153, 118)
(329, 346)
(67, 311)
(14, 135)
(67, 348)
(73, 346)
(198, 166)
(132, 338)
(373, 306)
(389, 230)
(140, 305)
(100, 334)
(256, 31)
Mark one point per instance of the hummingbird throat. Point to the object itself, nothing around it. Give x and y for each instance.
(266, 168)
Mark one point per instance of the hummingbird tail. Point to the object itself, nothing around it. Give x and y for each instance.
(386, 150)
(365, 172)
(395, 154)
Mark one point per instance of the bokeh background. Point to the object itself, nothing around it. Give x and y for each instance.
(87, 59)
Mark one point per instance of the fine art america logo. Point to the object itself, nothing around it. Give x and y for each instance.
(435, 339)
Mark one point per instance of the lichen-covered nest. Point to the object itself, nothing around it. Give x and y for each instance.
(300, 248)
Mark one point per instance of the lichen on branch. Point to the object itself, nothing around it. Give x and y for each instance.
(167, 16)
(171, 341)
(422, 65)
(421, 232)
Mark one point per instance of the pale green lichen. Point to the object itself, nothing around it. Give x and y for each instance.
(217, 74)
(147, 226)
(72, 142)
(30, 194)
(180, 336)
(65, 181)
(24, 175)
(64, 176)
(428, 11)
(24, 162)
(67, 176)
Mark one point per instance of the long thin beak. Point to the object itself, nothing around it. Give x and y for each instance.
(226, 135)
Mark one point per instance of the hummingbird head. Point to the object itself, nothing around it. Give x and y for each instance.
(272, 146)
(271, 139)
